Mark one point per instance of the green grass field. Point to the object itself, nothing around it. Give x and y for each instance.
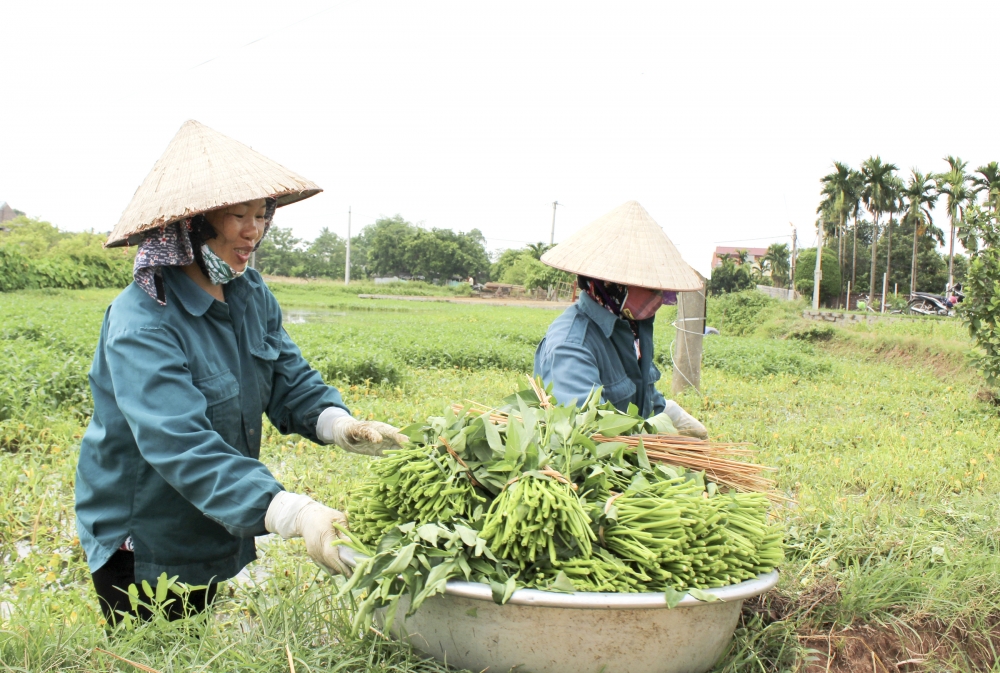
(880, 434)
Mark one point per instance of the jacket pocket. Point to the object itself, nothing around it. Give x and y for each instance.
(620, 393)
(222, 395)
(265, 354)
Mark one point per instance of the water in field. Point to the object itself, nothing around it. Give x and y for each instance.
(301, 317)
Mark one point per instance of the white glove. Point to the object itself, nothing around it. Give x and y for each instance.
(296, 515)
(660, 424)
(685, 423)
(336, 426)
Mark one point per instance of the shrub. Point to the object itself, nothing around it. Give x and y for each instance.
(980, 310)
(739, 313)
(758, 358)
(805, 267)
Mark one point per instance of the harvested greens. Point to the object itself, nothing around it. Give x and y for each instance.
(534, 501)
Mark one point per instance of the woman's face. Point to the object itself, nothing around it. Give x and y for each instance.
(239, 228)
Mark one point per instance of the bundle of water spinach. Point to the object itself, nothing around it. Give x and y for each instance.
(533, 501)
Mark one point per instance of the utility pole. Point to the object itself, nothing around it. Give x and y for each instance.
(795, 240)
(347, 266)
(552, 236)
(818, 273)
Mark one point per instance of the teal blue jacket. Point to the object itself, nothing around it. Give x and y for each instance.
(170, 457)
(589, 346)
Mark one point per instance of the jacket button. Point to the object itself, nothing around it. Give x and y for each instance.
(251, 431)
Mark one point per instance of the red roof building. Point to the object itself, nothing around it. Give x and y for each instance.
(729, 251)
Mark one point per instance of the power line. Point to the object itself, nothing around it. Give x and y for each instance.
(273, 32)
(762, 238)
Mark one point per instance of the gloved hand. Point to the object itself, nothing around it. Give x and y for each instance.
(336, 426)
(296, 515)
(660, 424)
(685, 423)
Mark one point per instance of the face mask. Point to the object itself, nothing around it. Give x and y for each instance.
(641, 303)
(219, 272)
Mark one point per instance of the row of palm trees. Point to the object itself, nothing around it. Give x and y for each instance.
(881, 192)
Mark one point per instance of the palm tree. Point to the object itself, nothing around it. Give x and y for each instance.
(537, 249)
(988, 181)
(876, 194)
(841, 190)
(855, 213)
(955, 185)
(894, 196)
(777, 260)
(920, 199)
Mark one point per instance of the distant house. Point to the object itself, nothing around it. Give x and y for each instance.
(753, 254)
(8, 213)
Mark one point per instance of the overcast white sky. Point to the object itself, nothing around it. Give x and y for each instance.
(719, 117)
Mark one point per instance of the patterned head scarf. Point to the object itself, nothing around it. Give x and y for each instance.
(622, 302)
(171, 245)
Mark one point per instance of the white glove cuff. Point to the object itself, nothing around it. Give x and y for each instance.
(283, 512)
(326, 423)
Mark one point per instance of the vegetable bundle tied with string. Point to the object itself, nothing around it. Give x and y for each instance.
(558, 498)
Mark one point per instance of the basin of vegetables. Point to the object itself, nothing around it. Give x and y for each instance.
(551, 538)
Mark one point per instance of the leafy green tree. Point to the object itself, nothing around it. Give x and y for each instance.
(919, 197)
(842, 190)
(33, 238)
(878, 195)
(387, 242)
(325, 256)
(777, 261)
(504, 261)
(35, 254)
(981, 308)
(538, 249)
(396, 247)
(987, 182)
(805, 267)
(729, 276)
(280, 253)
(959, 194)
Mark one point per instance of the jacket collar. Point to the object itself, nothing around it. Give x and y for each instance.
(194, 299)
(604, 318)
(601, 316)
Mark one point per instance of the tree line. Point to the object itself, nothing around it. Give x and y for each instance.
(876, 222)
(389, 247)
(394, 247)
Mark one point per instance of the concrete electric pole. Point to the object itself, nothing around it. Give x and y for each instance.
(818, 273)
(347, 265)
(795, 240)
(552, 235)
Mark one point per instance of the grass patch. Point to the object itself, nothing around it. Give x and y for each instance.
(894, 545)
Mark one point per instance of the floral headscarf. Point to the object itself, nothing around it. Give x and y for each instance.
(170, 245)
(611, 296)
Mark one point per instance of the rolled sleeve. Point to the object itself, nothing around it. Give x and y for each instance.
(168, 416)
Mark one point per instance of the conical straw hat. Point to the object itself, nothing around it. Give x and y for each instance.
(625, 246)
(201, 170)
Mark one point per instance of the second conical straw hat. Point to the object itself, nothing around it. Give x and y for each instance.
(201, 170)
(625, 246)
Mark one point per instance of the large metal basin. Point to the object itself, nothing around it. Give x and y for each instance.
(548, 632)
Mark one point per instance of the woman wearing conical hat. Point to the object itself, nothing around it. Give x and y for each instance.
(624, 264)
(190, 356)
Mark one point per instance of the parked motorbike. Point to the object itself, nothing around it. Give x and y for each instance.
(926, 303)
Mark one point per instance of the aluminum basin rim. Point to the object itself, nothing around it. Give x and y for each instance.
(581, 600)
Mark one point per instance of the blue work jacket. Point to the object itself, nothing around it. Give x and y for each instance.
(170, 457)
(589, 346)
